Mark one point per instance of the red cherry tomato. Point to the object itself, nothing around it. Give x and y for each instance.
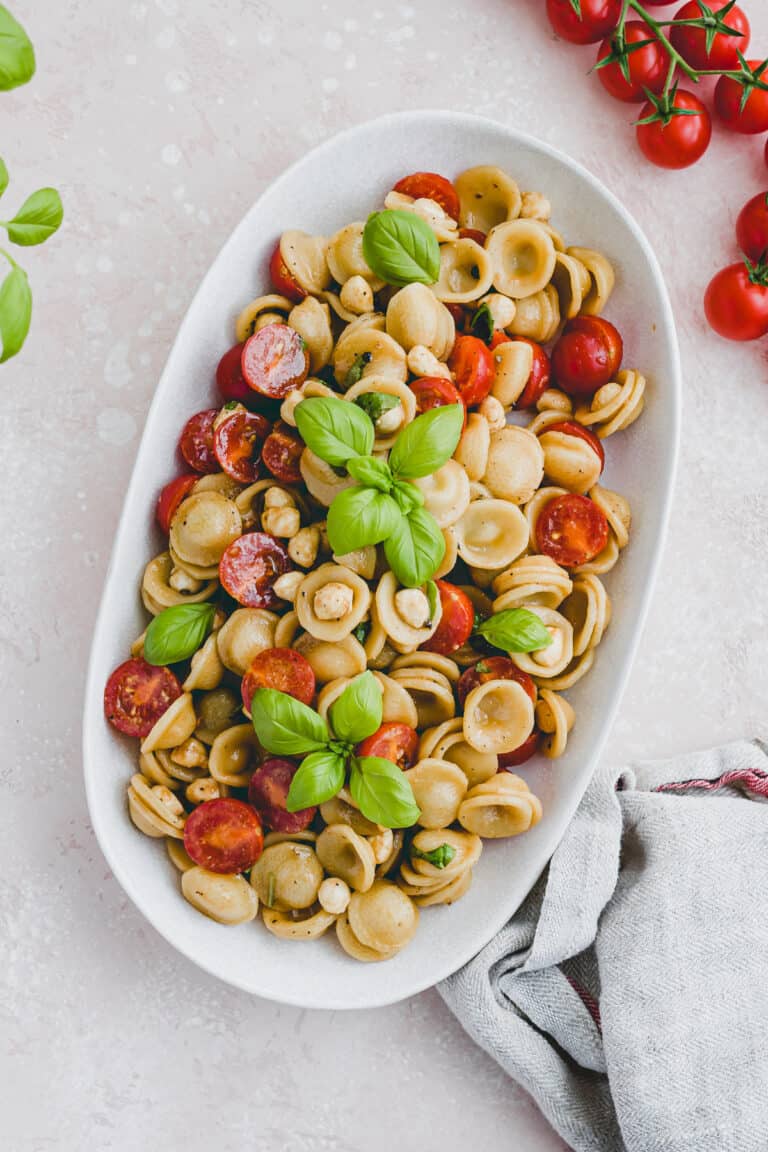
(268, 794)
(237, 442)
(282, 452)
(431, 186)
(493, 668)
(456, 621)
(598, 18)
(196, 441)
(395, 742)
(281, 278)
(136, 696)
(275, 360)
(229, 376)
(171, 496)
(472, 234)
(647, 65)
(522, 753)
(224, 836)
(571, 428)
(538, 381)
(680, 142)
(736, 302)
(249, 568)
(691, 43)
(572, 530)
(748, 118)
(434, 392)
(587, 355)
(283, 669)
(471, 362)
(752, 227)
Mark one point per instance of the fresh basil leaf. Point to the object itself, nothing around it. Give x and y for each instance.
(361, 632)
(401, 248)
(360, 516)
(285, 726)
(37, 219)
(17, 56)
(177, 633)
(333, 429)
(407, 496)
(370, 472)
(319, 777)
(382, 792)
(482, 324)
(15, 311)
(433, 598)
(415, 548)
(375, 404)
(358, 711)
(440, 857)
(356, 371)
(427, 442)
(515, 630)
(4, 177)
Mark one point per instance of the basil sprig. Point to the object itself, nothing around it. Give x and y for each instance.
(401, 248)
(515, 630)
(17, 56)
(177, 632)
(482, 324)
(440, 856)
(286, 727)
(334, 429)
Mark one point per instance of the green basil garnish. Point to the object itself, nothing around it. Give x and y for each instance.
(177, 633)
(440, 857)
(371, 472)
(17, 56)
(37, 219)
(382, 793)
(358, 711)
(427, 442)
(401, 248)
(482, 324)
(375, 404)
(515, 630)
(356, 371)
(433, 598)
(319, 777)
(415, 548)
(15, 309)
(286, 727)
(334, 429)
(358, 517)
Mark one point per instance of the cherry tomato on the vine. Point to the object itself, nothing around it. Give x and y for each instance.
(742, 106)
(752, 227)
(691, 42)
(647, 65)
(597, 19)
(680, 134)
(736, 302)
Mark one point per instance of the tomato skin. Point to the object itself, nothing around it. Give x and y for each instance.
(281, 453)
(538, 381)
(196, 441)
(472, 234)
(283, 669)
(434, 392)
(249, 568)
(753, 118)
(460, 316)
(598, 18)
(224, 836)
(571, 530)
(735, 307)
(282, 279)
(691, 43)
(571, 428)
(430, 186)
(275, 361)
(395, 742)
(587, 355)
(268, 794)
(471, 362)
(229, 376)
(171, 496)
(752, 227)
(519, 755)
(647, 66)
(456, 621)
(681, 142)
(137, 694)
(493, 668)
(237, 442)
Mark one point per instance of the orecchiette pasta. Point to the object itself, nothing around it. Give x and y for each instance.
(466, 272)
(227, 899)
(312, 320)
(501, 806)
(523, 258)
(247, 632)
(553, 660)
(538, 316)
(274, 307)
(491, 534)
(443, 225)
(602, 276)
(615, 406)
(345, 256)
(473, 447)
(157, 592)
(498, 716)
(331, 602)
(488, 197)
(446, 493)
(380, 355)
(555, 718)
(569, 461)
(416, 318)
(234, 755)
(305, 258)
(515, 464)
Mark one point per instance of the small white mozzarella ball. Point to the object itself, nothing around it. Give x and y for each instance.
(200, 791)
(493, 411)
(501, 308)
(535, 206)
(551, 655)
(287, 585)
(412, 606)
(423, 362)
(356, 295)
(190, 754)
(381, 845)
(333, 895)
(333, 601)
(284, 522)
(181, 581)
(303, 547)
(278, 498)
(390, 420)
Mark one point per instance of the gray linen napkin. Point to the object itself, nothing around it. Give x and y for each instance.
(629, 994)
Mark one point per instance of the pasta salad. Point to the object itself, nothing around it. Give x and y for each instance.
(381, 567)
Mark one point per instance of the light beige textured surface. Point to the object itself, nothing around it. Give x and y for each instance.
(161, 121)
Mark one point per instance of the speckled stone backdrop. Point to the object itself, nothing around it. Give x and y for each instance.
(161, 121)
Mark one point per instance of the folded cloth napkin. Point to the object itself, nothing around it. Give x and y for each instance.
(629, 993)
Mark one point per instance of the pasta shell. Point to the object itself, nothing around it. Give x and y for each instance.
(345, 255)
(615, 406)
(416, 318)
(311, 591)
(523, 258)
(287, 876)
(204, 527)
(331, 659)
(500, 807)
(247, 632)
(515, 464)
(555, 717)
(570, 461)
(346, 854)
(445, 492)
(438, 788)
(383, 918)
(498, 716)
(157, 593)
(312, 320)
(488, 197)
(304, 257)
(602, 276)
(271, 305)
(234, 756)
(466, 272)
(491, 534)
(226, 899)
(174, 726)
(287, 927)
(551, 661)
(588, 608)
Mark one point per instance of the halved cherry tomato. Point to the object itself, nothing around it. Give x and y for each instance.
(282, 452)
(473, 234)
(434, 392)
(471, 362)
(538, 381)
(752, 227)
(268, 793)
(396, 742)
(522, 753)
(224, 835)
(587, 355)
(747, 117)
(171, 496)
(275, 360)
(572, 530)
(493, 668)
(237, 442)
(249, 568)
(283, 281)
(573, 429)
(229, 375)
(682, 139)
(597, 19)
(283, 669)
(691, 42)
(431, 186)
(456, 621)
(736, 302)
(196, 441)
(647, 65)
(136, 696)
